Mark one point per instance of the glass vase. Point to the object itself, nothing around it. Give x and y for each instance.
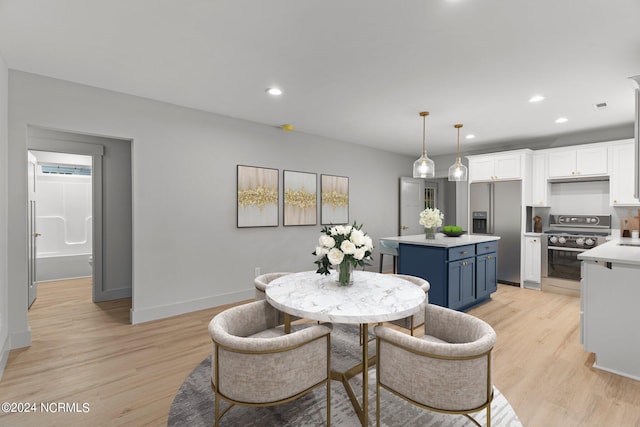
(345, 278)
(430, 233)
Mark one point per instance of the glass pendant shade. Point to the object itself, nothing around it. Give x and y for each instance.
(424, 167)
(458, 171)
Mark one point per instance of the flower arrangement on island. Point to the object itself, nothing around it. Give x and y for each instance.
(431, 218)
(344, 247)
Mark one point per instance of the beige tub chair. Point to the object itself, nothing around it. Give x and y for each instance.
(256, 364)
(414, 321)
(262, 281)
(448, 370)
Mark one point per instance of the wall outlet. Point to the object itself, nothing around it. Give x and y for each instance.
(256, 272)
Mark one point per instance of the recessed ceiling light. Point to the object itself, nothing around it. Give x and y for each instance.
(562, 120)
(536, 98)
(274, 91)
(470, 136)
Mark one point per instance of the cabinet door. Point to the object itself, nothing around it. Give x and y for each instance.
(533, 259)
(621, 175)
(561, 163)
(539, 185)
(591, 161)
(507, 167)
(486, 275)
(481, 169)
(462, 284)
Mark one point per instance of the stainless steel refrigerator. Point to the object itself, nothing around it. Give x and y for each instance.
(496, 210)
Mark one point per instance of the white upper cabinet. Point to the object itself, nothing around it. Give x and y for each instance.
(577, 162)
(495, 167)
(539, 184)
(621, 165)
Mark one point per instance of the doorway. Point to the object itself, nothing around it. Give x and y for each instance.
(111, 205)
(417, 194)
(60, 218)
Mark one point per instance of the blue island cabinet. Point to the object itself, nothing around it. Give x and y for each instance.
(460, 276)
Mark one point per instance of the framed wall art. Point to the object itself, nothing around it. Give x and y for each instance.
(257, 197)
(334, 200)
(300, 198)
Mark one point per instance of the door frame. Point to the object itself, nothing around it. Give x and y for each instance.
(96, 151)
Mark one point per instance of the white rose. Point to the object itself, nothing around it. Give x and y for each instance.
(326, 241)
(368, 243)
(359, 253)
(335, 256)
(348, 247)
(333, 230)
(321, 251)
(347, 229)
(357, 237)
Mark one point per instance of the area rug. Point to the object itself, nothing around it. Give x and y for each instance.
(194, 403)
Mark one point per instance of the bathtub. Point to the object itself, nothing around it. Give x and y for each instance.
(64, 222)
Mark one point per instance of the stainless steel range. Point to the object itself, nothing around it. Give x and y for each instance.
(568, 236)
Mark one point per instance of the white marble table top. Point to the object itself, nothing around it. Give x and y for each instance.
(372, 298)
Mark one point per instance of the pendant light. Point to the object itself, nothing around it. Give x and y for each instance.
(424, 167)
(458, 171)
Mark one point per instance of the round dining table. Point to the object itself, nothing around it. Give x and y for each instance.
(371, 298)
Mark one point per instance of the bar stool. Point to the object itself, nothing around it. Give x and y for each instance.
(389, 248)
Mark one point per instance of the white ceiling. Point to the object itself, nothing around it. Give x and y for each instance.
(356, 70)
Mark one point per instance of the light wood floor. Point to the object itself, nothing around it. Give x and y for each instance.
(84, 352)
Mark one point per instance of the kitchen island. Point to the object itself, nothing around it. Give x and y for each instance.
(462, 271)
(609, 318)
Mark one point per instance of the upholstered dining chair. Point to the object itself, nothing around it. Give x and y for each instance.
(256, 364)
(448, 370)
(261, 282)
(416, 320)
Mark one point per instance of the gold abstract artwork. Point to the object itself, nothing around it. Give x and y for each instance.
(335, 199)
(257, 197)
(300, 198)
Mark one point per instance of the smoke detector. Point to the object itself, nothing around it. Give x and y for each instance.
(600, 106)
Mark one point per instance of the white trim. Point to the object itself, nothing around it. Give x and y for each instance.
(20, 339)
(4, 355)
(613, 371)
(164, 311)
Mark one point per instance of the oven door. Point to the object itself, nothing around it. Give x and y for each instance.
(563, 263)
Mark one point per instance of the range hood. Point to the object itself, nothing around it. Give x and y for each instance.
(579, 179)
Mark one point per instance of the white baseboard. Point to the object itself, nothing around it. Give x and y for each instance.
(21, 339)
(4, 354)
(161, 312)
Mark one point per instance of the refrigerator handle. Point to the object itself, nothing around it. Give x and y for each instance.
(492, 208)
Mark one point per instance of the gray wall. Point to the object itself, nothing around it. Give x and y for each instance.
(187, 252)
(4, 324)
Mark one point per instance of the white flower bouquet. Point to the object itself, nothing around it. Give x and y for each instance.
(431, 218)
(343, 246)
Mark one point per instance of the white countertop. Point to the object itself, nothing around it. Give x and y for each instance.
(613, 252)
(441, 240)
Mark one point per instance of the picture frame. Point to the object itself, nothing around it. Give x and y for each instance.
(258, 198)
(300, 205)
(334, 199)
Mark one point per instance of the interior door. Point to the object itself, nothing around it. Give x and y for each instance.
(412, 202)
(32, 284)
